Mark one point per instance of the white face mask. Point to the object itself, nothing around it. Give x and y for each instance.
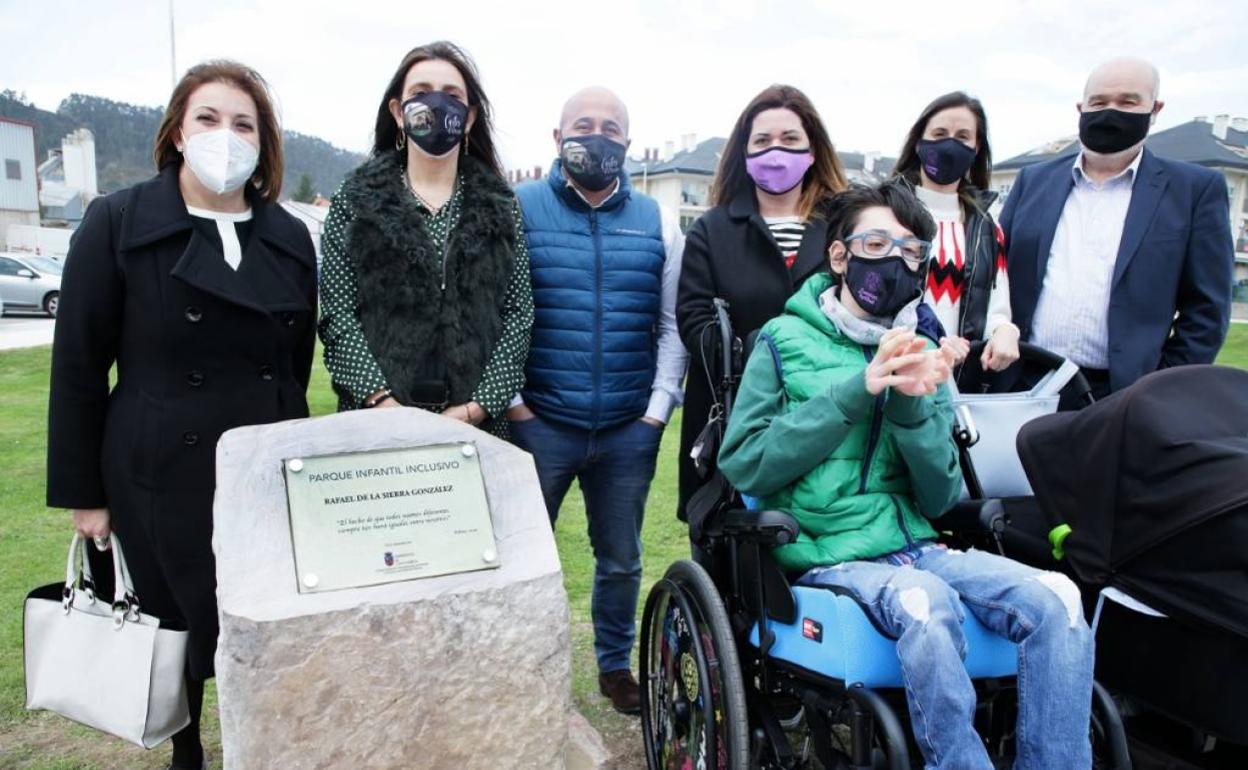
(221, 160)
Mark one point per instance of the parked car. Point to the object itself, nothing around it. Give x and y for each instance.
(29, 282)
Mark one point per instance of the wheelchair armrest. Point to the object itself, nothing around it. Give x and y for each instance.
(764, 527)
(983, 515)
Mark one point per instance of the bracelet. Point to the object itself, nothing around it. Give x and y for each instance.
(385, 394)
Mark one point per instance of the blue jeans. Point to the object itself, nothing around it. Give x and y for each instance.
(921, 605)
(614, 467)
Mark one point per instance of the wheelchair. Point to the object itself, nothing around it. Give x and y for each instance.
(741, 669)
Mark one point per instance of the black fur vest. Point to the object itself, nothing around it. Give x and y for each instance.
(422, 324)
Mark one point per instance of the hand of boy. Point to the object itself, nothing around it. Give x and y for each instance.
(924, 376)
(902, 363)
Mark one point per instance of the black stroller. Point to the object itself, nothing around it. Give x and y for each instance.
(1152, 483)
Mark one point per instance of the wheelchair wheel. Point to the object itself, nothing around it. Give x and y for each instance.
(1109, 739)
(693, 710)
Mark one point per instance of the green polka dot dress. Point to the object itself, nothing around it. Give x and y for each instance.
(352, 367)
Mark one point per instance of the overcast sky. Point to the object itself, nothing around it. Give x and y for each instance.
(682, 67)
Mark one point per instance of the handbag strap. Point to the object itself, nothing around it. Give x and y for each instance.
(124, 598)
(78, 568)
(71, 572)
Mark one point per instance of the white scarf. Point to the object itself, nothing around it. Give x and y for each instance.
(869, 330)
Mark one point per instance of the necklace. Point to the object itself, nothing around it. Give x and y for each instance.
(446, 243)
(407, 182)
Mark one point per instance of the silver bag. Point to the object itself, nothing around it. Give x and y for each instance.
(107, 666)
(995, 419)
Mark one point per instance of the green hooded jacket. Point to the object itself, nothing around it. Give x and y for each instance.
(861, 474)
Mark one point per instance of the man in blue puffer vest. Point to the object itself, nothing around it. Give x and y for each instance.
(606, 362)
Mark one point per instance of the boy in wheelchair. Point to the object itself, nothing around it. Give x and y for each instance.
(843, 420)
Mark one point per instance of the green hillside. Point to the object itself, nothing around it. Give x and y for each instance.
(124, 134)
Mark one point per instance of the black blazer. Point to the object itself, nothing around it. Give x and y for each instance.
(1170, 297)
(199, 349)
(730, 254)
(983, 253)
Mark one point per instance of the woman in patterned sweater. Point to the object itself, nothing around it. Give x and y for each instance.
(946, 157)
(425, 292)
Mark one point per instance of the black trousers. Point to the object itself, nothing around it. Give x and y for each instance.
(1098, 381)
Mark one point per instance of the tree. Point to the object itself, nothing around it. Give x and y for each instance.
(305, 192)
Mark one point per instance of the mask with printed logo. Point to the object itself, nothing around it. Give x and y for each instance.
(945, 161)
(435, 122)
(592, 161)
(882, 286)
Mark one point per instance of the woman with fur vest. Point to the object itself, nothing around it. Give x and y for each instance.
(425, 292)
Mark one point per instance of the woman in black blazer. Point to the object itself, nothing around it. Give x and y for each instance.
(202, 291)
(761, 241)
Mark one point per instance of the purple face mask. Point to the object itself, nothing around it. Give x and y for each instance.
(778, 169)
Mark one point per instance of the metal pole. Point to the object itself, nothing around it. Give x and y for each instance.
(173, 51)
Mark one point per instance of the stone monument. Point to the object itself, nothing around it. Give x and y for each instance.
(335, 651)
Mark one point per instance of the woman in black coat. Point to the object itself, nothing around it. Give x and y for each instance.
(761, 241)
(202, 291)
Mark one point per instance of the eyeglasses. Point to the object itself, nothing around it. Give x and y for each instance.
(877, 243)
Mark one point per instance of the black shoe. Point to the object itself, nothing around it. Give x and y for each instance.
(622, 689)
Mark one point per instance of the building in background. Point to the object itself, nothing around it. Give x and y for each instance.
(312, 215)
(866, 167)
(681, 180)
(19, 185)
(67, 180)
(1220, 144)
(521, 175)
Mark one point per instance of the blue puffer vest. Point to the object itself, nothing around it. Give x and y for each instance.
(597, 277)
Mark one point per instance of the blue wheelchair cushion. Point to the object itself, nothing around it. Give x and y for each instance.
(834, 637)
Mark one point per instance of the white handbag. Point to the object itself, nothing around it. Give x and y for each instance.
(993, 420)
(107, 666)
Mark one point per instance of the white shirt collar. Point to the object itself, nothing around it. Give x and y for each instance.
(219, 216)
(1129, 173)
(614, 189)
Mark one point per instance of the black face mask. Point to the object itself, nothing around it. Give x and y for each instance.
(592, 161)
(435, 122)
(944, 161)
(1110, 131)
(884, 285)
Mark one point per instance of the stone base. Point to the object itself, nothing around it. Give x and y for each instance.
(468, 670)
(586, 751)
(375, 687)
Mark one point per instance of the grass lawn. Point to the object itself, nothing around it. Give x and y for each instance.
(33, 540)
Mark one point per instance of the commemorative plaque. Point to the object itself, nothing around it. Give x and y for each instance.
(384, 516)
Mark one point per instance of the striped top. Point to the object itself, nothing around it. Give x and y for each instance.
(788, 234)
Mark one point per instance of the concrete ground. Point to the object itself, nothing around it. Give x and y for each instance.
(25, 330)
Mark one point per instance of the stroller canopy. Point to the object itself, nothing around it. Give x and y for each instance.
(1154, 483)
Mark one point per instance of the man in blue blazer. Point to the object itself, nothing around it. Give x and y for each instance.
(1118, 259)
